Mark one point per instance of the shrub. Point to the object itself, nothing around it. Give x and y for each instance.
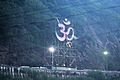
(97, 75)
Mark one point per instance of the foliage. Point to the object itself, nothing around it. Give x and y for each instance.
(43, 76)
(27, 29)
(97, 75)
(3, 77)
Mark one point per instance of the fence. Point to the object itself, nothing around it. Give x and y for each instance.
(27, 72)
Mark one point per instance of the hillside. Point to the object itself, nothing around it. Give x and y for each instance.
(27, 29)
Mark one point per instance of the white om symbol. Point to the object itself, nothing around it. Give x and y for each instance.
(65, 34)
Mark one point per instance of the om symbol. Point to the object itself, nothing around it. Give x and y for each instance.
(62, 27)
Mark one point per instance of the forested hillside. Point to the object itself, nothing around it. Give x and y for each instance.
(27, 29)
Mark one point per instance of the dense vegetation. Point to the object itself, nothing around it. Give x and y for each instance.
(27, 30)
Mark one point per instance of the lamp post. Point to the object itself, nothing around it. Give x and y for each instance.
(52, 50)
(105, 58)
(105, 52)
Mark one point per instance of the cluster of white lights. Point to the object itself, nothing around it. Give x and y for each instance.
(105, 52)
(51, 49)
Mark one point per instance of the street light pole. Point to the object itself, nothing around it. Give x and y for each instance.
(106, 59)
(52, 50)
(52, 60)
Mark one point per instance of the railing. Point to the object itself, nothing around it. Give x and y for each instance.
(27, 72)
(12, 71)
